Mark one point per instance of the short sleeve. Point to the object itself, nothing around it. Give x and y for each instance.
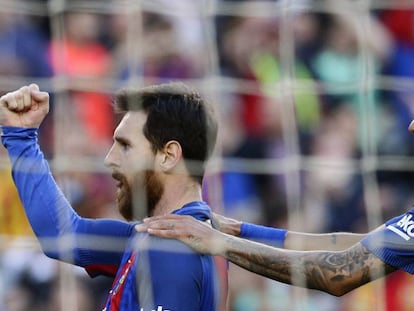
(394, 242)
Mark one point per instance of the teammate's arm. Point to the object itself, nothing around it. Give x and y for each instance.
(334, 272)
(283, 238)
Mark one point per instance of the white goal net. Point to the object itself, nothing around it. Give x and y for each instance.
(314, 99)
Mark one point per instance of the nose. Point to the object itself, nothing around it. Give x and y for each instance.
(411, 127)
(110, 159)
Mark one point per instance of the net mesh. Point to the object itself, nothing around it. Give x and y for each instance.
(314, 100)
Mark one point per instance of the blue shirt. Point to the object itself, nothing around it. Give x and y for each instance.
(161, 274)
(394, 243)
(155, 274)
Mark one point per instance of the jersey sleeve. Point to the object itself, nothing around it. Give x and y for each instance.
(394, 242)
(94, 244)
(267, 235)
(180, 279)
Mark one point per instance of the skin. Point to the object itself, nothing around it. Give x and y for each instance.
(160, 178)
(25, 107)
(131, 160)
(334, 272)
(295, 240)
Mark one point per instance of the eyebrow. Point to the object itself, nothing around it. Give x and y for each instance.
(121, 140)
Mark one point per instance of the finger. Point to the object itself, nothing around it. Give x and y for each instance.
(27, 102)
(141, 228)
(3, 101)
(170, 234)
(208, 222)
(22, 97)
(40, 96)
(164, 217)
(10, 101)
(160, 225)
(2, 113)
(19, 99)
(149, 219)
(34, 87)
(215, 220)
(37, 95)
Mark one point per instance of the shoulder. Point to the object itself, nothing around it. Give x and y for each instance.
(393, 242)
(178, 276)
(172, 258)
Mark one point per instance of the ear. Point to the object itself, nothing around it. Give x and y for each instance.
(170, 156)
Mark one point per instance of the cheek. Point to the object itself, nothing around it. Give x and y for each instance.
(135, 168)
(139, 167)
(135, 161)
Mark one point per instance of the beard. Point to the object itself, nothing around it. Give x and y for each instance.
(140, 203)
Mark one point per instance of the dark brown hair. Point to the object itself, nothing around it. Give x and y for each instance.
(174, 112)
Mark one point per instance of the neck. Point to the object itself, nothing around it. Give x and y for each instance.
(176, 194)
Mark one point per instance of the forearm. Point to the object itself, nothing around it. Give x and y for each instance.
(267, 261)
(324, 241)
(333, 272)
(294, 240)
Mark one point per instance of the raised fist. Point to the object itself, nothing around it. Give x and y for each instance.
(26, 107)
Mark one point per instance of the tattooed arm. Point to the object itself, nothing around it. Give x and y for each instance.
(334, 272)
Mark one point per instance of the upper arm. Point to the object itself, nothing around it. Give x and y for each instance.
(99, 244)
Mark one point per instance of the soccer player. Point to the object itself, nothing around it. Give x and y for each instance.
(166, 134)
(363, 258)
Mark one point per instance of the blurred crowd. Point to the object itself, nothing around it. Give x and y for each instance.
(321, 100)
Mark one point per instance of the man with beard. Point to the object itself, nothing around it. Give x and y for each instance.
(160, 148)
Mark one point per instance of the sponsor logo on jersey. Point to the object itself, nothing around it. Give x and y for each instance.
(404, 228)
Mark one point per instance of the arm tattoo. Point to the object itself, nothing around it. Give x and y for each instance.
(332, 272)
